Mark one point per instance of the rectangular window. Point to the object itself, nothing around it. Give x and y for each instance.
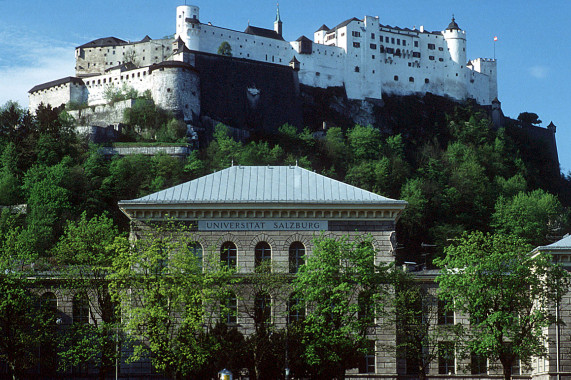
(367, 363)
(356, 34)
(431, 46)
(431, 58)
(387, 39)
(398, 41)
(356, 44)
(478, 364)
(392, 40)
(372, 36)
(445, 315)
(440, 59)
(416, 54)
(373, 46)
(440, 49)
(403, 43)
(415, 43)
(446, 358)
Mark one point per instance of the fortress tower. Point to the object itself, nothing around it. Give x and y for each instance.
(188, 25)
(456, 41)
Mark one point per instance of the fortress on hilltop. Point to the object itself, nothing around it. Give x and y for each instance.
(260, 73)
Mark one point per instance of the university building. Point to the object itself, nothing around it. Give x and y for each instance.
(248, 214)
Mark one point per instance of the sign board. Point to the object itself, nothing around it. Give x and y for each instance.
(262, 225)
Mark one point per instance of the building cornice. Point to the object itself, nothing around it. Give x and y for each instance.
(390, 211)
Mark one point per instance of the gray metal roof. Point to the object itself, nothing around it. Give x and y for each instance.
(563, 244)
(263, 184)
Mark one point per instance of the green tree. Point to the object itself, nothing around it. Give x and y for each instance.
(168, 294)
(364, 142)
(24, 323)
(418, 332)
(84, 253)
(532, 216)
(261, 291)
(508, 295)
(49, 206)
(335, 278)
(225, 49)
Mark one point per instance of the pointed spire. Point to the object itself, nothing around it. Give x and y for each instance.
(278, 19)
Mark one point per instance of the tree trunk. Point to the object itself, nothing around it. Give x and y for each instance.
(507, 367)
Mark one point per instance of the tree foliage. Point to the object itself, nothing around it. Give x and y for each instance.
(164, 295)
(337, 275)
(508, 295)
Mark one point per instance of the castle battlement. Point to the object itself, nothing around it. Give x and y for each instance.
(364, 56)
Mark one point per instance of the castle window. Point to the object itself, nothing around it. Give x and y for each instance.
(398, 41)
(372, 57)
(357, 69)
(440, 49)
(356, 44)
(382, 48)
(431, 46)
(403, 43)
(396, 78)
(121, 77)
(317, 73)
(138, 75)
(373, 46)
(387, 39)
(440, 59)
(456, 74)
(415, 43)
(372, 36)
(392, 40)
(411, 79)
(431, 58)
(168, 90)
(416, 54)
(356, 34)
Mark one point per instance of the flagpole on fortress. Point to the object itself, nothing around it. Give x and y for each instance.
(495, 40)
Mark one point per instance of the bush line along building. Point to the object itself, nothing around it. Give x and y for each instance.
(364, 57)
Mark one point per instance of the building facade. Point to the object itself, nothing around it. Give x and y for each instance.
(249, 214)
(366, 58)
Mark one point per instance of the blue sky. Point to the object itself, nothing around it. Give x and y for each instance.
(37, 39)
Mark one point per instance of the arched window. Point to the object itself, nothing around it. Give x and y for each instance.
(366, 310)
(80, 309)
(262, 308)
(296, 312)
(263, 253)
(410, 79)
(296, 253)
(48, 302)
(228, 254)
(229, 310)
(196, 249)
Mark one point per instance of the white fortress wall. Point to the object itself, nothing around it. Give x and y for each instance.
(137, 79)
(175, 88)
(323, 68)
(58, 95)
